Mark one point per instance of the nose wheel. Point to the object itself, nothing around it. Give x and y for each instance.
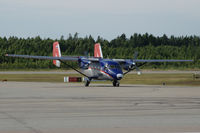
(116, 83)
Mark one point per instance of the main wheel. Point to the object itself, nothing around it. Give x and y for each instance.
(116, 83)
(87, 82)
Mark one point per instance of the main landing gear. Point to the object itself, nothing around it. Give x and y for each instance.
(87, 82)
(116, 83)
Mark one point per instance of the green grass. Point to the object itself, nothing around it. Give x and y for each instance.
(33, 77)
(147, 79)
(159, 79)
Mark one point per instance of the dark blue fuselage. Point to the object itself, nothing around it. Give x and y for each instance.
(104, 69)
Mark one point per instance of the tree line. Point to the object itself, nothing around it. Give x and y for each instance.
(147, 45)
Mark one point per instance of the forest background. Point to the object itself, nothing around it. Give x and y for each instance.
(147, 45)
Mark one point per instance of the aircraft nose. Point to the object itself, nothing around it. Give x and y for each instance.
(119, 76)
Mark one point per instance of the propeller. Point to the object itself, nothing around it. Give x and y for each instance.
(133, 64)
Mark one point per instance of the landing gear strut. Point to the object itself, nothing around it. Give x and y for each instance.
(116, 83)
(87, 82)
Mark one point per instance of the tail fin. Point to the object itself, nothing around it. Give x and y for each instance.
(56, 53)
(98, 51)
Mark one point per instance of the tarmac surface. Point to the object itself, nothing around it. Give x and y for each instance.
(31, 107)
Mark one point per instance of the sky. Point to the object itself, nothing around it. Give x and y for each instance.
(105, 18)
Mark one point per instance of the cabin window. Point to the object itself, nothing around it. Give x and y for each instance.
(112, 66)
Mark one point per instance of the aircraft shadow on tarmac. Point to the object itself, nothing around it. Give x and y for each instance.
(110, 86)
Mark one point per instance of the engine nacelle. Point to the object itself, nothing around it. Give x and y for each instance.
(129, 65)
(84, 63)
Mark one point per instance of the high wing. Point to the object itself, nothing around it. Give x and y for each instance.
(62, 58)
(76, 58)
(150, 60)
(57, 57)
(131, 64)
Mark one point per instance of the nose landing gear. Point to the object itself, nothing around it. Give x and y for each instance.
(116, 83)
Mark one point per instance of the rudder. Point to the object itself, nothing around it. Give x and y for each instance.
(56, 53)
(98, 51)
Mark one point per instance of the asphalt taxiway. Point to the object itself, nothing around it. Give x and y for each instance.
(32, 107)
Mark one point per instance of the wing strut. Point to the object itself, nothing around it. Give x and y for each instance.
(74, 69)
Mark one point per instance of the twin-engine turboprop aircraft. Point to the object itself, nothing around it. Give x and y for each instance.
(97, 68)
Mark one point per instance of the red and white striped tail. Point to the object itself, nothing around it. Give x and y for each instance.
(98, 51)
(56, 53)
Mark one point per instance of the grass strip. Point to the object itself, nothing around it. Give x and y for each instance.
(147, 79)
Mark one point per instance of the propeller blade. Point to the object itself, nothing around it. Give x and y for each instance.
(135, 55)
(86, 54)
(138, 70)
(136, 67)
